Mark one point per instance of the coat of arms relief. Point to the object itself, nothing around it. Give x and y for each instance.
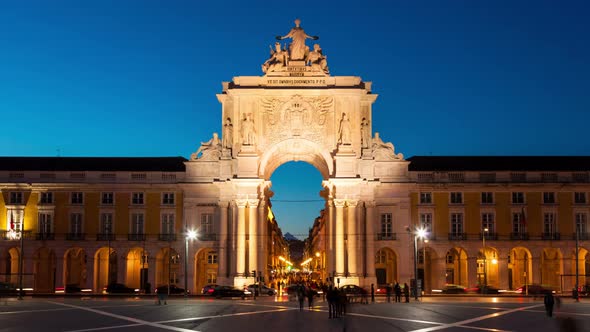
(308, 118)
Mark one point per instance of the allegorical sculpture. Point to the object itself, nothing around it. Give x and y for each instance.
(297, 48)
(228, 134)
(296, 54)
(209, 150)
(344, 131)
(384, 151)
(248, 131)
(365, 134)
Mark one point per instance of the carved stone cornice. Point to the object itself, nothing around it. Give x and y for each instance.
(352, 202)
(370, 204)
(253, 203)
(241, 203)
(339, 202)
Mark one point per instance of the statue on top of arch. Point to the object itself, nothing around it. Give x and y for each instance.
(384, 151)
(297, 51)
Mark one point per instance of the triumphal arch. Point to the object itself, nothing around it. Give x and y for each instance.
(297, 111)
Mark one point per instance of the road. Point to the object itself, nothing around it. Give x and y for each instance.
(277, 314)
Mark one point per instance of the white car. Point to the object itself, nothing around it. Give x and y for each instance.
(264, 290)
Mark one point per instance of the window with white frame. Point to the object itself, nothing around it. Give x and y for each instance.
(168, 198)
(386, 225)
(106, 223)
(45, 223)
(487, 198)
(46, 198)
(212, 257)
(381, 257)
(211, 277)
(487, 221)
(426, 222)
(581, 220)
(107, 198)
(579, 198)
(14, 220)
(456, 223)
(549, 223)
(517, 223)
(137, 198)
(425, 198)
(456, 198)
(16, 197)
(206, 223)
(517, 198)
(137, 223)
(548, 198)
(76, 223)
(167, 223)
(77, 197)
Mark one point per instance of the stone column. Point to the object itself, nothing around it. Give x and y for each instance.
(223, 245)
(502, 272)
(253, 231)
(352, 245)
(261, 251)
(339, 235)
(439, 272)
(241, 238)
(59, 269)
(331, 261)
(471, 272)
(370, 239)
(537, 273)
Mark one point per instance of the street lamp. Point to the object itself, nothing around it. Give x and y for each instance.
(21, 257)
(419, 233)
(485, 271)
(191, 235)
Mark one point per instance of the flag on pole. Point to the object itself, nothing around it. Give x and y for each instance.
(523, 218)
(11, 220)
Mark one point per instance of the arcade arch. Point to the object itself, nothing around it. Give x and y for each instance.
(75, 267)
(105, 268)
(456, 266)
(44, 270)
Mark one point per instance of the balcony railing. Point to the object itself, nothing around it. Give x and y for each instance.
(386, 236)
(105, 237)
(166, 237)
(11, 235)
(519, 236)
(75, 236)
(581, 236)
(550, 236)
(45, 236)
(457, 236)
(489, 236)
(207, 237)
(136, 236)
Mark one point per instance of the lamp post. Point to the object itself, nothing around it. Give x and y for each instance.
(419, 233)
(424, 263)
(485, 263)
(191, 235)
(21, 257)
(108, 231)
(576, 290)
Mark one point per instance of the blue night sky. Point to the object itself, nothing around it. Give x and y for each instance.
(139, 78)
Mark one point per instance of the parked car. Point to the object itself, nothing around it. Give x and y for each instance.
(69, 289)
(208, 289)
(116, 288)
(228, 291)
(264, 290)
(381, 289)
(173, 290)
(534, 289)
(480, 289)
(454, 289)
(7, 289)
(352, 290)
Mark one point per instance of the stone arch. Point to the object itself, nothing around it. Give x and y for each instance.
(551, 267)
(426, 265)
(167, 267)
(75, 272)
(583, 266)
(520, 267)
(135, 263)
(295, 149)
(386, 266)
(206, 268)
(488, 266)
(105, 268)
(44, 270)
(456, 266)
(11, 265)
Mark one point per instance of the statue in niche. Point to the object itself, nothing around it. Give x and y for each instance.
(344, 132)
(382, 150)
(228, 134)
(278, 59)
(248, 131)
(209, 150)
(317, 60)
(365, 134)
(297, 48)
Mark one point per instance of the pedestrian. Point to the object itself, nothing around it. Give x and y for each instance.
(549, 302)
(300, 296)
(407, 292)
(388, 292)
(398, 292)
(372, 293)
(310, 298)
(331, 304)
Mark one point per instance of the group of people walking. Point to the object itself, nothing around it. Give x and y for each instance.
(397, 291)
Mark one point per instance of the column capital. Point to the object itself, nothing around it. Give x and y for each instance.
(223, 204)
(339, 202)
(370, 204)
(253, 203)
(241, 203)
(352, 202)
